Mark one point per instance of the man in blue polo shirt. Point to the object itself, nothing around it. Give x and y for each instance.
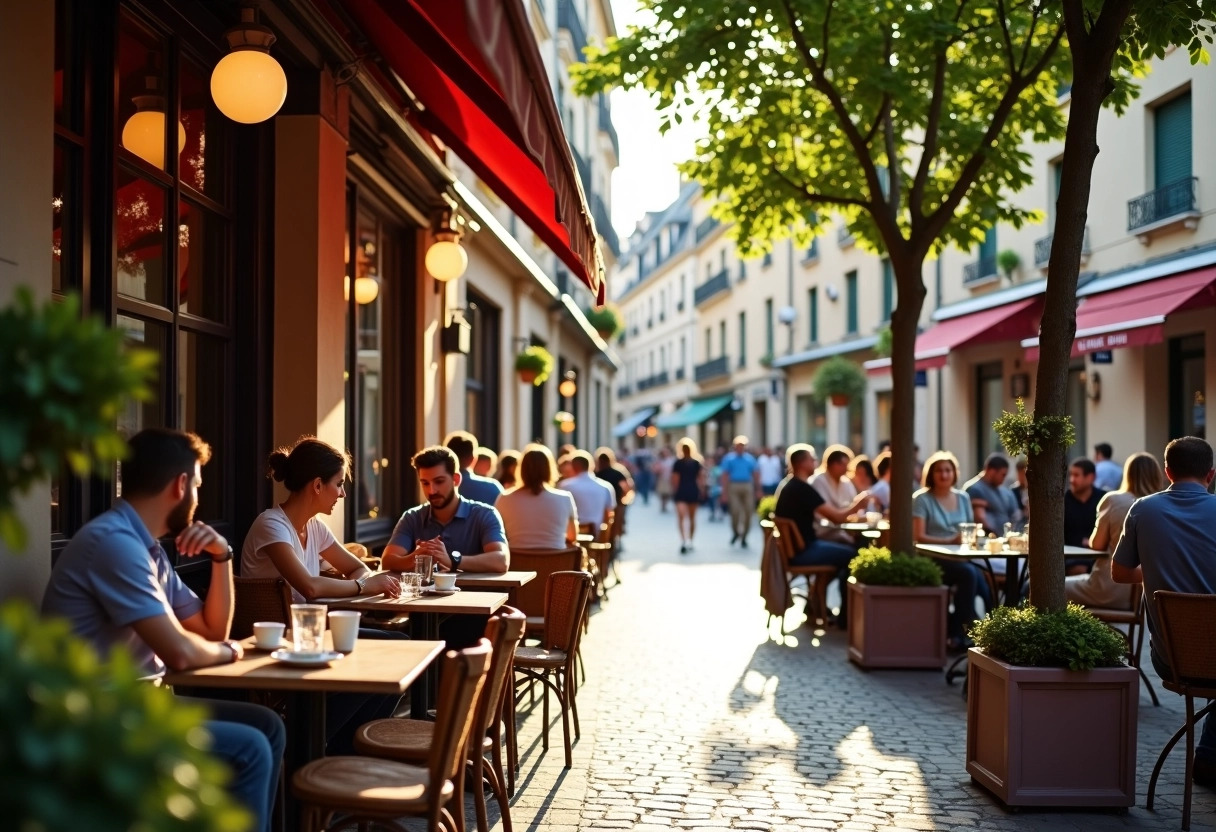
(472, 487)
(741, 484)
(458, 533)
(1169, 542)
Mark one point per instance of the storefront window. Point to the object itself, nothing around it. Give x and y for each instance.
(1188, 398)
(367, 295)
(810, 422)
(990, 402)
(482, 381)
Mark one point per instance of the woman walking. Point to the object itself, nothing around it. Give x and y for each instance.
(687, 481)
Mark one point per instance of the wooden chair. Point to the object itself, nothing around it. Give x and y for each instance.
(259, 599)
(789, 540)
(552, 663)
(360, 551)
(366, 790)
(544, 562)
(1133, 620)
(410, 740)
(1186, 638)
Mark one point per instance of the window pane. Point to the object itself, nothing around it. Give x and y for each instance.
(136, 416)
(64, 219)
(202, 395)
(142, 103)
(67, 85)
(204, 158)
(203, 264)
(140, 258)
(370, 258)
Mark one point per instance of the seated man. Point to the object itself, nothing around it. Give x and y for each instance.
(594, 499)
(1169, 542)
(799, 501)
(836, 489)
(115, 585)
(1080, 512)
(482, 489)
(992, 501)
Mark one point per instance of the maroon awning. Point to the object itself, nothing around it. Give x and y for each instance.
(475, 67)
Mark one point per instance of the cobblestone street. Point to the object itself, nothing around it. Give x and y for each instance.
(692, 717)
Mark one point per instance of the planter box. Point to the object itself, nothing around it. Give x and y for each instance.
(897, 626)
(1047, 736)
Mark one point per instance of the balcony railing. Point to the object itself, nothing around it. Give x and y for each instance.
(603, 224)
(706, 228)
(656, 380)
(624, 391)
(607, 126)
(716, 368)
(716, 284)
(1042, 249)
(679, 373)
(1172, 200)
(568, 19)
(980, 270)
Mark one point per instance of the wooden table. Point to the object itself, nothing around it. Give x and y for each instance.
(374, 667)
(508, 582)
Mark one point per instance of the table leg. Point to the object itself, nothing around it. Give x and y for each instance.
(424, 627)
(305, 743)
(1013, 566)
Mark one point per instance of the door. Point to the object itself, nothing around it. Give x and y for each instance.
(1187, 394)
(989, 402)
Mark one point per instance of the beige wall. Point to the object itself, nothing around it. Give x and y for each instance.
(27, 72)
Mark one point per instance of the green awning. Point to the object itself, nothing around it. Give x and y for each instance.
(694, 412)
(630, 423)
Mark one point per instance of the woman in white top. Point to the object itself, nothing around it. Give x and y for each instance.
(1141, 476)
(290, 541)
(535, 515)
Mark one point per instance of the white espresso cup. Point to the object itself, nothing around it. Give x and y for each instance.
(268, 634)
(445, 581)
(344, 629)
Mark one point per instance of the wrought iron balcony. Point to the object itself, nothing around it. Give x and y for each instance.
(717, 368)
(603, 224)
(712, 287)
(1171, 201)
(568, 19)
(656, 380)
(624, 391)
(705, 228)
(607, 126)
(679, 373)
(980, 270)
(1042, 249)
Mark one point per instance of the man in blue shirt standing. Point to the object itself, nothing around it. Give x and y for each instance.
(482, 489)
(741, 484)
(1169, 542)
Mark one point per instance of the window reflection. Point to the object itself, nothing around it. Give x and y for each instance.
(363, 281)
(202, 262)
(140, 227)
(143, 105)
(203, 160)
(202, 397)
(136, 416)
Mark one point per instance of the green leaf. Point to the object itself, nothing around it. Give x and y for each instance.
(12, 531)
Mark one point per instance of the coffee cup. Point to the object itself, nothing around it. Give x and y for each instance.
(268, 635)
(445, 581)
(344, 629)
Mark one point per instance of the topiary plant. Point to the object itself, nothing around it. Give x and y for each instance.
(840, 380)
(605, 320)
(876, 566)
(63, 381)
(1027, 636)
(1008, 261)
(534, 365)
(84, 744)
(767, 507)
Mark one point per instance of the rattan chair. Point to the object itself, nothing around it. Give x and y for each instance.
(409, 740)
(1186, 639)
(544, 562)
(1133, 620)
(552, 663)
(259, 599)
(336, 792)
(789, 541)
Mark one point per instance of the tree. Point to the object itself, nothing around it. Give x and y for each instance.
(1108, 40)
(905, 119)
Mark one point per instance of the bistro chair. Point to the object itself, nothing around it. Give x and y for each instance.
(544, 562)
(789, 540)
(1133, 620)
(410, 740)
(552, 663)
(1186, 637)
(337, 792)
(258, 599)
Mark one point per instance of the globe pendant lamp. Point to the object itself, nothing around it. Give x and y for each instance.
(367, 289)
(446, 259)
(144, 132)
(248, 85)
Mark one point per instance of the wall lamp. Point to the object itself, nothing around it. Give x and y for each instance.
(1093, 386)
(568, 387)
(446, 259)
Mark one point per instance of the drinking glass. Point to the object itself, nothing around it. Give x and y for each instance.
(424, 565)
(968, 532)
(308, 627)
(411, 585)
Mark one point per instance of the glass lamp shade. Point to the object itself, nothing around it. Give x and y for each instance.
(567, 426)
(367, 289)
(144, 135)
(446, 260)
(567, 388)
(248, 86)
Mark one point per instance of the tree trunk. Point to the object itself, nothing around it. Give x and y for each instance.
(1047, 470)
(904, 319)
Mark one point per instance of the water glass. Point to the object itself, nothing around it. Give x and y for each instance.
(308, 627)
(411, 585)
(873, 518)
(968, 533)
(424, 565)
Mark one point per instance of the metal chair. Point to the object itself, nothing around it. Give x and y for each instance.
(788, 538)
(1133, 619)
(1186, 640)
(259, 599)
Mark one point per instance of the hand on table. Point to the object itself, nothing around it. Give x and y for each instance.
(383, 583)
(435, 548)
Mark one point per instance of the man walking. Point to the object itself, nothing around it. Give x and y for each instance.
(1169, 542)
(771, 468)
(741, 484)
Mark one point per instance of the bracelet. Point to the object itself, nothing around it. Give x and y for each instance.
(225, 558)
(231, 649)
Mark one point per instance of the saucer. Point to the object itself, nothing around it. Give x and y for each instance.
(284, 644)
(434, 590)
(294, 659)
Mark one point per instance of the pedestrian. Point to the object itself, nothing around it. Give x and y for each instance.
(643, 480)
(772, 469)
(713, 493)
(662, 477)
(741, 484)
(688, 483)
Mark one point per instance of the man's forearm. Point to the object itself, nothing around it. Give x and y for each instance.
(396, 559)
(217, 609)
(494, 561)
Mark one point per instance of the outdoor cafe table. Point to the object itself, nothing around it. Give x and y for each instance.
(508, 582)
(425, 613)
(374, 667)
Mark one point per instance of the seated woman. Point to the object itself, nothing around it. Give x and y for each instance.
(536, 515)
(1141, 476)
(508, 469)
(861, 472)
(937, 509)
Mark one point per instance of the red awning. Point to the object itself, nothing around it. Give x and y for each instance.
(475, 67)
(1010, 322)
(1134, 316)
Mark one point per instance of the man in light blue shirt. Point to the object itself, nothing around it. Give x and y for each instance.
(482, 489)
(741, 484)
(1169, 542)
(1108, 474)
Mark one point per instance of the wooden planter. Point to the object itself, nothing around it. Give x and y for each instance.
(897, 626)
(1047, 736)
(839, 399)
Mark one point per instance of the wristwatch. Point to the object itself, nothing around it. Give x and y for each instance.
(456, 558)
(223, 558)
(359, 582)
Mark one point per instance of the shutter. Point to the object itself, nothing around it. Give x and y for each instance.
(1172, 141)
(988, 247)
(850, 285)
(888, 290)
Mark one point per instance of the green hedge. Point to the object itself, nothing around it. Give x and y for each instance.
(1029, 637)
(876, 566)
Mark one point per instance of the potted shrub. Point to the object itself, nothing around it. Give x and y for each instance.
(605, 320)
(766, 360)
(1051, 709)
(897, 610)
(534, 365)
(839, 380)
(1008, 261)
(767, 507)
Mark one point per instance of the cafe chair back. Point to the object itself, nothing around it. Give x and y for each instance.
(1132, 619)
(789, 541)
(259, 599)
(544, 562)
